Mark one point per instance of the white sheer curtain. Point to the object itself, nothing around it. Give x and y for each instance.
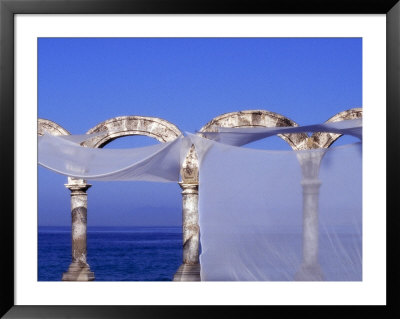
(279, 215)
(157, 163)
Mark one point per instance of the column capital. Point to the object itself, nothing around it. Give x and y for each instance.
(189, 188)
(77, 189)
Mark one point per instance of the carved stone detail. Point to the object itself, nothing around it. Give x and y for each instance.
(50, 127)
(257, 118)
(325, 139)
(116, 127)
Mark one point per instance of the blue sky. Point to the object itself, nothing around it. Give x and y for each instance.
(187, 81)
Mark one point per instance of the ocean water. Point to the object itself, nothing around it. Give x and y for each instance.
(155, 254)
(114, 253)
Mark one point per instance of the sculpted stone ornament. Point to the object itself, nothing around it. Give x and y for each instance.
(190, 268)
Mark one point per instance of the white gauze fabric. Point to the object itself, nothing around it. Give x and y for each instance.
(279, 215)
(243, 135)
(157, 163)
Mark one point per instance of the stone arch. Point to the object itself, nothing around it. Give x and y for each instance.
(50, 127)
(116, 127)
(258, 118)
(325, 139)
(121, 126)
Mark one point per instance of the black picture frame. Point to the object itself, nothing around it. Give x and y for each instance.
(8, 8)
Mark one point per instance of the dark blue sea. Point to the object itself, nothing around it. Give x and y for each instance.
(114, 253)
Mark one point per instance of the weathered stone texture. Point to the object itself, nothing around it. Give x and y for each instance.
(50, 127)
(157, 128)
(257, 118)
(190, 168)
(79, 269)
(187, 272)
(190, 219)
(190, 268)
(324, 139)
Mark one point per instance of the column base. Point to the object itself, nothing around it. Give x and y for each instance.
(78, 273)
(309, 273)
(188, 273)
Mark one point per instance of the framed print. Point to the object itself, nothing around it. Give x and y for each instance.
(110, 69)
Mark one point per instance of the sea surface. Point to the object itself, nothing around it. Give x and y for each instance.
(155, 254)
(114, 253)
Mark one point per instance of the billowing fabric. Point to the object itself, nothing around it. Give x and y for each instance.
(242, 135)
(279, 215)
(157, 163)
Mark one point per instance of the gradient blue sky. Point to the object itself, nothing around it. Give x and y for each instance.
(187, 81)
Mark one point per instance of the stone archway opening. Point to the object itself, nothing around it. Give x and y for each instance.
(141, 205)
(136, 131)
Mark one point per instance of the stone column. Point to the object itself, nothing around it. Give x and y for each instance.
(190, 268)
(310, 269)
(79, 269)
